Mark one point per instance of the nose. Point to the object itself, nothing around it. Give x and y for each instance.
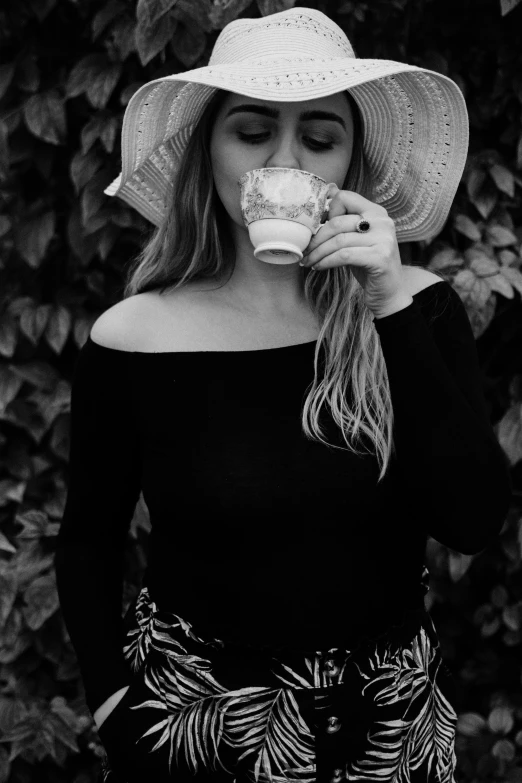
(285, 154)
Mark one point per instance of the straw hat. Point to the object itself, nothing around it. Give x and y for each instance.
(415, 121)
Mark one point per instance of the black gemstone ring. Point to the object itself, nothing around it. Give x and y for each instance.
(362, 226)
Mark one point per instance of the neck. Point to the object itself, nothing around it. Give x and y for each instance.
(261, 289)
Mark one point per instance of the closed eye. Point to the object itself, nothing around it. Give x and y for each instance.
(314, 144)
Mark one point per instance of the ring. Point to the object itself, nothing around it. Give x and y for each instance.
(362, 226)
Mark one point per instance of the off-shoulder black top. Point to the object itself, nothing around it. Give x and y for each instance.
(258, 533)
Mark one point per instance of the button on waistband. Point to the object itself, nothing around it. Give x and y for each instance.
(331, 667)
(334, 725)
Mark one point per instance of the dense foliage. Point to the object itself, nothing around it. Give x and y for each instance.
(68, 69)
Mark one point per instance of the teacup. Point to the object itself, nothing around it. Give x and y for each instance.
(282, 209)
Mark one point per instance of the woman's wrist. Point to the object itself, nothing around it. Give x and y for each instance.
(400, 302)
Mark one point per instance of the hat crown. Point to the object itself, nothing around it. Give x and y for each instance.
(297, 32)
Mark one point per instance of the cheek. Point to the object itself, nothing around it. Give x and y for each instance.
(227, 164)
(338, 166)
(346, 157)
(226, 175)
(232, 158)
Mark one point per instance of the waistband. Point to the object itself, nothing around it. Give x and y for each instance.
(345, 632)
(399, 627)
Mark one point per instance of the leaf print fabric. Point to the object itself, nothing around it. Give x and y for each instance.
(202, 710)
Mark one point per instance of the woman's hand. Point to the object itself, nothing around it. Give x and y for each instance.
(374, 256)
(108, 705)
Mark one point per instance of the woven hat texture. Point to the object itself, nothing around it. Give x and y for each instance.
(415, 121)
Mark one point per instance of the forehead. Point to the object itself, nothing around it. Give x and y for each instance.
(338, 102)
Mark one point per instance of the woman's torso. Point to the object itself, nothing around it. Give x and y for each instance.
(225, 469)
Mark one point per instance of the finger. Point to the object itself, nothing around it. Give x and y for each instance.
(347, 256)
(335, 244)
(332, 227)
(349, 202)
(344, 223)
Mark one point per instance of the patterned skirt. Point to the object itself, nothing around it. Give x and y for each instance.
(201, 710)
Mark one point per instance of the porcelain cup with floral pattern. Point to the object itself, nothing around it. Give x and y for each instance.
(282, 209)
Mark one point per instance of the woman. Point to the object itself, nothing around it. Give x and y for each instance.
(297, 431)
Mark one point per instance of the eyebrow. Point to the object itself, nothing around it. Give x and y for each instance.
(274, 113)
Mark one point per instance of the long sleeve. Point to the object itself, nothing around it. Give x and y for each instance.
(452, 469)
(103, 489)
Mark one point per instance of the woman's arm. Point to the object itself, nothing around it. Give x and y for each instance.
(451, 469)
(103, 489)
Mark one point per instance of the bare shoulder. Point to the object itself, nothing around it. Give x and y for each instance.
(416, 278)
(152, 320)
(123, 325)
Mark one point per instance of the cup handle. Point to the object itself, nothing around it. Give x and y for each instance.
(326, 208)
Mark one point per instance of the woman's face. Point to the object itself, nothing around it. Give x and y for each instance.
(285, 139)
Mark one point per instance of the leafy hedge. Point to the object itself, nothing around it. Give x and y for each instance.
(68, 69)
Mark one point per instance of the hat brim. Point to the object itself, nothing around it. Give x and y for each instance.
(415, 121)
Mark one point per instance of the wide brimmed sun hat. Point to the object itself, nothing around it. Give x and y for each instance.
(415, 121)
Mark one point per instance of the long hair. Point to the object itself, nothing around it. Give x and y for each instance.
(194, 242)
